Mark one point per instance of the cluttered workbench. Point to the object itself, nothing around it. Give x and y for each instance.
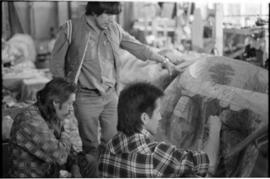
(21, 79)
(247, 44)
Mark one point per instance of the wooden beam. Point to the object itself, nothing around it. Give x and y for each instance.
(62, 11)
(197, 30)
(218, 29)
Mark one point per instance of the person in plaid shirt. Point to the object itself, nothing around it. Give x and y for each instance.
(133, 152)
(39, 144)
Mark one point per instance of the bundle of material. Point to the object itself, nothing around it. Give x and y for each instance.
(18, 56)
(211, 85)
(19, 48)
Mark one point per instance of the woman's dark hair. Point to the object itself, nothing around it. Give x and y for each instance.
(57, 90)
(99, 8)
(133, 101)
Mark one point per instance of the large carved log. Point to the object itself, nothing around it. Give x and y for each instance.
(234, 90)
(212, 85)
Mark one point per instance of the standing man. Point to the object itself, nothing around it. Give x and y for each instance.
(133, 152)
(87, 52)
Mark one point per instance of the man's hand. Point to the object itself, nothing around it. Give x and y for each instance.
(212, 144)
(169, 65)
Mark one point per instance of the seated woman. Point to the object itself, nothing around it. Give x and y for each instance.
(39, 144)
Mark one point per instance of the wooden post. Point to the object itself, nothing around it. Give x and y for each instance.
(154, 31)
(6, 33)
(32, 19)
(62, 11)
(218, 29)
(121, 17)
(197, 31)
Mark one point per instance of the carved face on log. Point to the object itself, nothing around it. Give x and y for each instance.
(234, 90)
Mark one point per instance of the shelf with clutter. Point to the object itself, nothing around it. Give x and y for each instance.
(219, 29)
(158, 31)
(229, 31)
(164, 25)
(248, 42)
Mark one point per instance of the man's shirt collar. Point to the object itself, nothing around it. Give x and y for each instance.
(90, 20)
(146, 133)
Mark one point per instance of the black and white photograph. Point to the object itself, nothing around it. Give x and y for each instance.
(135, 89)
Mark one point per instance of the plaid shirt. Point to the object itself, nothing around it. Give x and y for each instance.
(34, 143)
(140, 156)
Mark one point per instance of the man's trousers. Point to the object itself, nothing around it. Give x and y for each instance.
(91, 110)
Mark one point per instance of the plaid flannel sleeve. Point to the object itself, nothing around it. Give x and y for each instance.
(37, 138)
(170, 160)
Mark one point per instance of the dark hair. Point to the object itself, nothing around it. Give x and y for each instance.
(133, 101)
(99, 8)
(57, 90)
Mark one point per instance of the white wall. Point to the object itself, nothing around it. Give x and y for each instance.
(37, 17)
(44, 17)
(24, 15)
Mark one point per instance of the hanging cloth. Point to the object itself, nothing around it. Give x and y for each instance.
(14, 23)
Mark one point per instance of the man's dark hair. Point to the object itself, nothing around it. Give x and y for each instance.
(99, 8)
(57, 90)
(133, 101)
